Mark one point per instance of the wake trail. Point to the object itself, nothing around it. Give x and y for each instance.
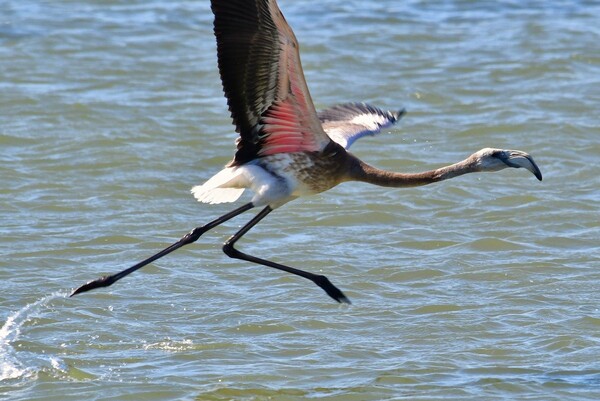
(10, 366)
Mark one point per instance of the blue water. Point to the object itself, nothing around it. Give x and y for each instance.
(482, 287)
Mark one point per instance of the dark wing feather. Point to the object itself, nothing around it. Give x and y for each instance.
(262, 77)
(345, 123)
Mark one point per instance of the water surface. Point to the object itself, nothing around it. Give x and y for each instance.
(483, 287)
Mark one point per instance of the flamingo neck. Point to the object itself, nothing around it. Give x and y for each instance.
(372, 175)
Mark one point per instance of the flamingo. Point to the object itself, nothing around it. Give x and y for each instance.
(286, 149)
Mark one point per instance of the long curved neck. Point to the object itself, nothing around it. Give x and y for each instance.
(361, 171)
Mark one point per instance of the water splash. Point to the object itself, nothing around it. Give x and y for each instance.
(10, 366)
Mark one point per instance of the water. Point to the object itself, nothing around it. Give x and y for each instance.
(483, 287)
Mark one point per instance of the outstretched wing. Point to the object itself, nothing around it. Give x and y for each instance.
(262, 77)
(345, 123)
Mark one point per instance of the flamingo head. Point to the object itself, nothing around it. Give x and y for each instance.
(490, 159)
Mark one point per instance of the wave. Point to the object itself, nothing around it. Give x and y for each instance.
(10, 365)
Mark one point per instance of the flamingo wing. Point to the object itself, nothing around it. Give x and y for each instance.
(345, 123)
(259, 64)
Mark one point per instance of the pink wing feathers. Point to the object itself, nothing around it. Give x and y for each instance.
(262, 77)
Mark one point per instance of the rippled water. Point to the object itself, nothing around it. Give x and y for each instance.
(483, 287)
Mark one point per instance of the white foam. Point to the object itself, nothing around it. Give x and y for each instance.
(10, 366)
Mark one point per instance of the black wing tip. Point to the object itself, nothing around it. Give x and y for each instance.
(345, 110)
(399, 114)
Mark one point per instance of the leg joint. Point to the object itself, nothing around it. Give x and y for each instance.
(229, 249)
(193, 235)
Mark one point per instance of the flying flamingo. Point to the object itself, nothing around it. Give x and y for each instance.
(286, 149)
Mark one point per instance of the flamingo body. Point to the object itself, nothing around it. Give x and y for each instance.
(285, 148)
(276, 179)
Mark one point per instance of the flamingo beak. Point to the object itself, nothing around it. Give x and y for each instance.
(518, 159)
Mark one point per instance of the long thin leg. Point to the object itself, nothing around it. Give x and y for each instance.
(190, 237)
(319, 280)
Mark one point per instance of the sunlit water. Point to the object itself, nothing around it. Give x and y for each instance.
(480, 288)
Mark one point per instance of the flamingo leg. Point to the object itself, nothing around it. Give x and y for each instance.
(319, 280)
(190, 237)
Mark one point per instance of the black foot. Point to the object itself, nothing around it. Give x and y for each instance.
(331, 290)
(104, 281)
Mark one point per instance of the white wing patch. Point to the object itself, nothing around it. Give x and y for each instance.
(369, 121)
(345, 123)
